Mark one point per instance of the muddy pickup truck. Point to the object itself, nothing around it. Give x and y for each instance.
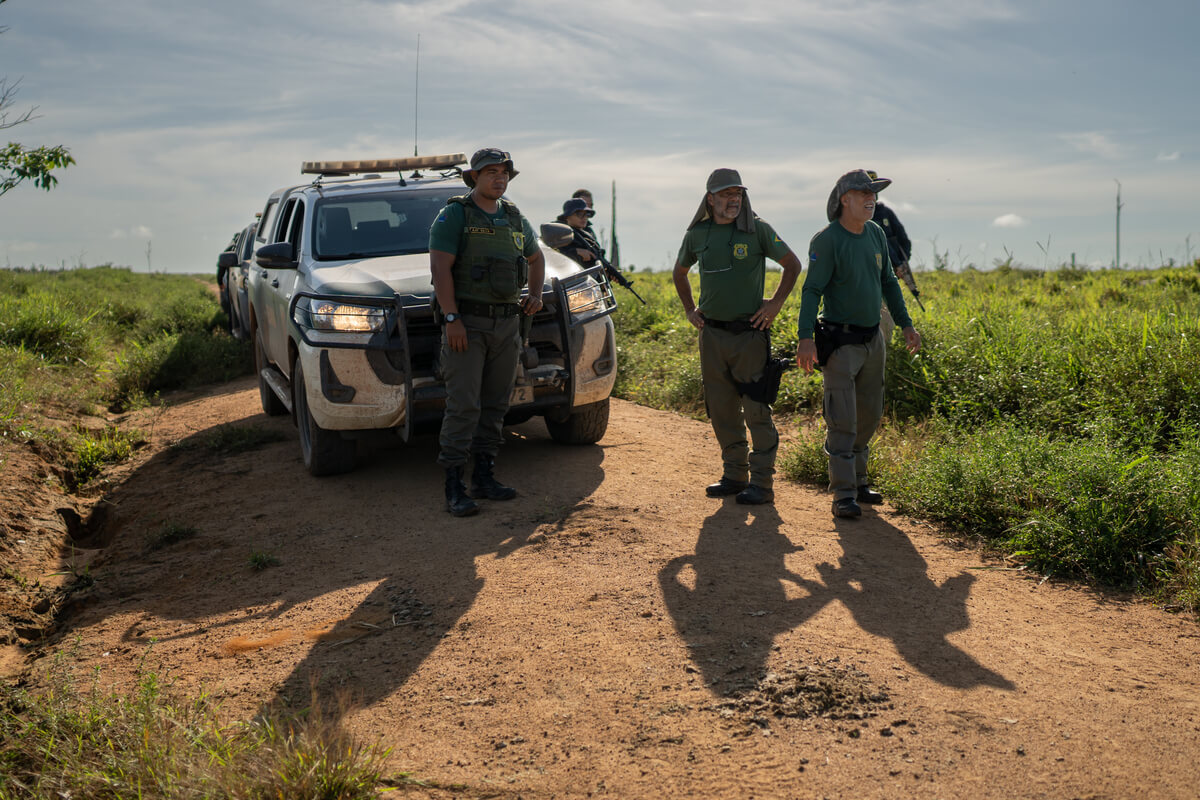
(345, 338)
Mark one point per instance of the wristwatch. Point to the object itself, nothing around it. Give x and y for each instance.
(452, 317)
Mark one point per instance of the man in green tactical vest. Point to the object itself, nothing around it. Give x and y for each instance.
(849, 276)
(481, 253)
(731, 246)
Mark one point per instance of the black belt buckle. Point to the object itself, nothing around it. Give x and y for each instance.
(489, 310)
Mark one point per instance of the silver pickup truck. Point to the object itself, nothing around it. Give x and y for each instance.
(344, 336)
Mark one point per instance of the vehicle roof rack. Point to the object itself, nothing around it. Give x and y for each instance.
(333, 168)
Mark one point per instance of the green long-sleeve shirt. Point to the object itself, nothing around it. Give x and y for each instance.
(849, 277)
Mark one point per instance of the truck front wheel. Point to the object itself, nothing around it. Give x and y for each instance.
(325, 452)
(585, 425)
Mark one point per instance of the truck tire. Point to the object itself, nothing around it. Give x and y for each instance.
(586, 425)
(325, 452)
(272, 406)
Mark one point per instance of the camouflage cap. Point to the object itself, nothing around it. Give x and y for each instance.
(485, 158)
(724, 178)
(860, 179)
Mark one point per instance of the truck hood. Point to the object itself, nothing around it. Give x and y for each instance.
(405, 275)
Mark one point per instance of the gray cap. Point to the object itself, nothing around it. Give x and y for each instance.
(486, 157)
(859, 179)
(720, 179)
(724, 178)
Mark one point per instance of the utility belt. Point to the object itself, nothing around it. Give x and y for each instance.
(733, 326)
(491, 310)
(829, 336)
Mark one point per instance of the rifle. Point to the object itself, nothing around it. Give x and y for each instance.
(614, 274)
(559, 236)
(904, 273)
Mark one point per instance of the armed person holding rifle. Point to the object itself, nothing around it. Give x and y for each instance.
(583, 247)
(900, 251)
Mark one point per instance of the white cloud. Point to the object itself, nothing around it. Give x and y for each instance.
(1010, 221)
(136, 232)
(1093, 143)
(1168, 156)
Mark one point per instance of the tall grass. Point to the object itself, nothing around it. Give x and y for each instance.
(82, 340)
(155, 744)
(1053, 413)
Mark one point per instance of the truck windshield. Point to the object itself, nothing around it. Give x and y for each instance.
(381, 224)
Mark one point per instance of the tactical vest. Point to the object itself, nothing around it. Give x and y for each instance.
(490, 266)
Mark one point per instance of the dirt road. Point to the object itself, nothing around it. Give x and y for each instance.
(614, 632)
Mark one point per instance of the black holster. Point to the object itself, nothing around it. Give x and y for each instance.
(765, 389)
(829, 336)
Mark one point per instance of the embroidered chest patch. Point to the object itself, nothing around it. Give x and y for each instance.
(741, 250)
(519, 239)
(483, 231)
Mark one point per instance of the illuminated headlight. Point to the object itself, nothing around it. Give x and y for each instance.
(585, 297)
(326, 316)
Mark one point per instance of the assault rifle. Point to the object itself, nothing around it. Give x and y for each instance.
(904, 273)
(559, 236)
(614, 274)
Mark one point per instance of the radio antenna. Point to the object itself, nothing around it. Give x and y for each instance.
(416, 96)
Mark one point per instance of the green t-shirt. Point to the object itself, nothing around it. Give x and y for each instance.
(733, 266)
(447, 228)
(851, 274)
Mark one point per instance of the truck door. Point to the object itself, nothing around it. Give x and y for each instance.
(279, 285)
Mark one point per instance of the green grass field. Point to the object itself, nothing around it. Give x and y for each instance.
(82, 341)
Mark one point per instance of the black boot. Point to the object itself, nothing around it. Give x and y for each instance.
(484, 483)
(458, 502)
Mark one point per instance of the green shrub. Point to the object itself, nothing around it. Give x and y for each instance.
(41, 324)
(176, 361)
(93, 452)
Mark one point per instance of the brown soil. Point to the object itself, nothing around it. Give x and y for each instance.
(611, 631)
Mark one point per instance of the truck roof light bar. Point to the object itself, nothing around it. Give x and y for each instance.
(333, 168)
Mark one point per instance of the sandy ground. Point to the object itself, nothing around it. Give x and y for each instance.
(611, 631)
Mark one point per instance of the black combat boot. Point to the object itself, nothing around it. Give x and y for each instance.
(484, 484)
(458, 502)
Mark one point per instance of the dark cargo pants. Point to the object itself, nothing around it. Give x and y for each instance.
(479, 384)
(727, 359)
(853, 408)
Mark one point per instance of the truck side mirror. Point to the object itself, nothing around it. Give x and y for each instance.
(279, 255)
(557, 235)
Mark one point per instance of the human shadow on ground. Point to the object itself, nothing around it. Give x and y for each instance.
(371, 571)
(729, 603)
(727, 599)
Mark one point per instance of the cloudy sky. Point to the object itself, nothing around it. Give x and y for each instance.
(1005, 124)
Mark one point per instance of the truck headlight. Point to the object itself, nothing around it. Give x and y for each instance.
(326, 316)
(585, 297)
